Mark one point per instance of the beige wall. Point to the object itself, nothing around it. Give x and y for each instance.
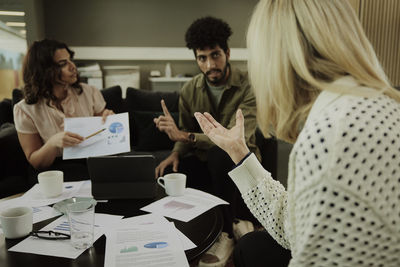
(381, 22)
(355, 4)
(9, 79)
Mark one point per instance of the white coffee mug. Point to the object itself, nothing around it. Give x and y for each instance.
(173, 183)
(51, 183)
(16, 222)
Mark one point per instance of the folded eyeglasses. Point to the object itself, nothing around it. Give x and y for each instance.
(50, 235)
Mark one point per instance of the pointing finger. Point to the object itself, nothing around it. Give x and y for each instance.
(164, 108)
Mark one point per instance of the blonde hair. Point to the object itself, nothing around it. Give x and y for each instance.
(296, 49)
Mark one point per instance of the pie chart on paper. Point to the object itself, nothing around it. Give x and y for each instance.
(156, 245)
(116, 127)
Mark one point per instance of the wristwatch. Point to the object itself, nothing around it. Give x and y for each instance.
(192, 138)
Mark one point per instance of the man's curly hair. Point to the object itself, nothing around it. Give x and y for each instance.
(208, 32)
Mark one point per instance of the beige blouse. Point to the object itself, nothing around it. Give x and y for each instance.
(47, 120)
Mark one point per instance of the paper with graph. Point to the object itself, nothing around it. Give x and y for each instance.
(146, 241)
(185, 208)
(101, 139)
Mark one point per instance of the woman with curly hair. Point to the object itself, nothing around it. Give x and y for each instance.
(52, 92)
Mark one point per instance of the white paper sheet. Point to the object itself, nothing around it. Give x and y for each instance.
(154, 219)
(152, 244)
(114, 139)
(34, 197)
(85, 190)
(184, 208)
(44, 213)
(185, 241)
(141, 220)
(62, 248)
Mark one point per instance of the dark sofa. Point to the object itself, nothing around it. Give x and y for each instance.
(143, 105)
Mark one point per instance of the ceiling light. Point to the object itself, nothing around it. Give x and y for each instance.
(11, 13)
(15, 24)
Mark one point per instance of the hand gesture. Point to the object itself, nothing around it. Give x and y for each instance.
(105, 113)
(231, 141)
(165, 123)
(172, 159)
(65, 139)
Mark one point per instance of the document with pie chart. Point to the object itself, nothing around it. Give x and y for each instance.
(101, 139)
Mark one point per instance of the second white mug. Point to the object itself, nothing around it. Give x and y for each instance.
(173, 183)
(51, 183)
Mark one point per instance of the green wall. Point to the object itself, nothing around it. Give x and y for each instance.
(139, 23)
(135, 23)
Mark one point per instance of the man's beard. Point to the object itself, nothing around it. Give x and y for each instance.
(217, 81)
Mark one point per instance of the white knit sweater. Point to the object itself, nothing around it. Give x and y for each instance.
(342, 206)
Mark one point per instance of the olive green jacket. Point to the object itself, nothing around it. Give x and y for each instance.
(195, 97)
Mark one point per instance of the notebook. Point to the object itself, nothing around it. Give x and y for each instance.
(122, 177)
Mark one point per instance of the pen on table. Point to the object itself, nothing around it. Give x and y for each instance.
(93, 134)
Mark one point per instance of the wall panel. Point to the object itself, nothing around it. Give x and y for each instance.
(356, 5)
(381, 22)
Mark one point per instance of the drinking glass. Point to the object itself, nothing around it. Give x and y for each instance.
(81, 222)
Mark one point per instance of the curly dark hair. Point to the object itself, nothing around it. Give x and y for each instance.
(40, 72)
(208, 32)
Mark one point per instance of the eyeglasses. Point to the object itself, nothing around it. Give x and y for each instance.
(50, 235)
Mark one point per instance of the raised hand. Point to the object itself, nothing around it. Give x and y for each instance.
(232, 141)
(165, 123)
(105, 113)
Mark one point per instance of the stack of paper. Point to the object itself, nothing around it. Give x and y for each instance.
(146, 241)
(184, 208)
(92, 75)
(124, 76)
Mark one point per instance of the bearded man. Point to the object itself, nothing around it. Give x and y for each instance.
(219, 90)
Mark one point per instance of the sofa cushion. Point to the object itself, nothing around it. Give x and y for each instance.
(113, 98)
(145, 100)
(6, 112)
(17, 96)
(146, 137)
(143, 106)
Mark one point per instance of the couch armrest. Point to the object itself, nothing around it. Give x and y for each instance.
(12, 157)
(6, 112)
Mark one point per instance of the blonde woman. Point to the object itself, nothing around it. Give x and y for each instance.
(319, 85)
